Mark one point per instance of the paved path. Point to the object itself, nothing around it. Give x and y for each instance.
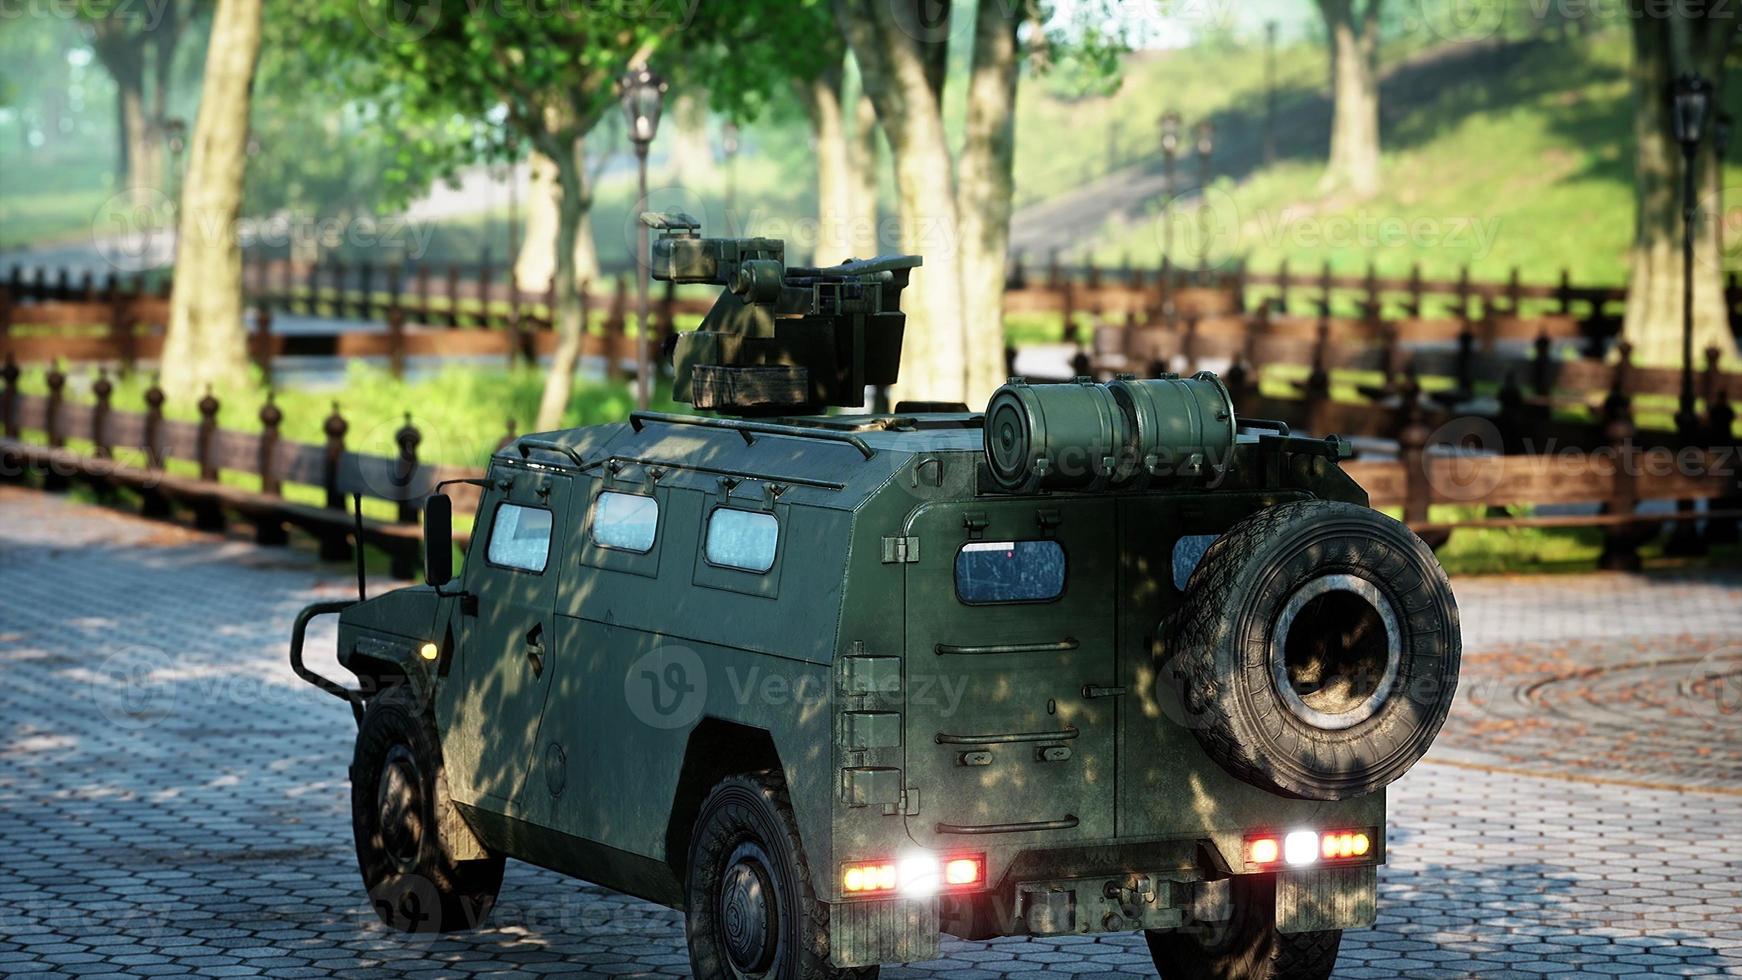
(172, 801)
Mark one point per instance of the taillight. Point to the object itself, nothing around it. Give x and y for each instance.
(1301, 848)
(915, 875)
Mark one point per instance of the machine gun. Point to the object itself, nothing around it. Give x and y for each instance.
(780, 339)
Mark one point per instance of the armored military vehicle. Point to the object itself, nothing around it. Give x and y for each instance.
(1101, 658)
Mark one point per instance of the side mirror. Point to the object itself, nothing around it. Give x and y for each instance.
(438, 540)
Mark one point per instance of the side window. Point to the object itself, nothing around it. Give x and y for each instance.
(1010, 571)
(625, 521)
(1187, 553)
(743, 539)
(520, 538)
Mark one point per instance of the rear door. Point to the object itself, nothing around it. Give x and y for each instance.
(1010, 659)
(507, 641)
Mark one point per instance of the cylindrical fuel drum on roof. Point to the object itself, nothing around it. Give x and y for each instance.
(1182, 428)
(1069, 436)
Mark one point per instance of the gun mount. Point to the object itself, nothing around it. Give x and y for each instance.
(780, 338)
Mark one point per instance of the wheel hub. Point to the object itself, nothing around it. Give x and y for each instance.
(748, 913)
(1335, 651)
(399, 806)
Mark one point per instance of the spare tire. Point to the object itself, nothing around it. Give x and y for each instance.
(1316, 650)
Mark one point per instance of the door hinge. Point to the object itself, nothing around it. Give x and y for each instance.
(900, 550)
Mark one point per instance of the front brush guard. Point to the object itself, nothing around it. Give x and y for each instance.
(298, 633)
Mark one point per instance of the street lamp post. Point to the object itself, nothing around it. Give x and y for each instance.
(1206, 132)
(1690, 100)
(642, 93)
(1170, 124)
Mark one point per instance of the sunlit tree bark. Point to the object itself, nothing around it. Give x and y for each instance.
(1663, 47)
(206, 342)
(1353, 29)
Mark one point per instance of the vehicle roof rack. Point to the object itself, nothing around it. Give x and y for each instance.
(749, 430)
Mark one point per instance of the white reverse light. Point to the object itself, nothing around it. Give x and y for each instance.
(1301, 847)
(920, 875)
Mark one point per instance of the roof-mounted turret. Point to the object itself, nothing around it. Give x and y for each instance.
(779, 339)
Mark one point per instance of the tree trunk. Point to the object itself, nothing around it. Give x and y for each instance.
(983, 194)
(821, 97)
(1354, 41)
(862, 180)
(899, 73)
(536, 263)
(572, 207)
(1663, 48)
(206, 343)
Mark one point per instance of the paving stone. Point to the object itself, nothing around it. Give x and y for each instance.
(173, 801)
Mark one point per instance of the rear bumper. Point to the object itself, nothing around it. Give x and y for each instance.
(907, 930)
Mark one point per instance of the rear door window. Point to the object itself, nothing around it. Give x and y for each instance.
(625, 521)
(1010, 571)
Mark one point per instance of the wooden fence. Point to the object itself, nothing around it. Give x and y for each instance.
(137, 450)
(1612, 465)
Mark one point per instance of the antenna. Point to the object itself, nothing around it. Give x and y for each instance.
(357, 507)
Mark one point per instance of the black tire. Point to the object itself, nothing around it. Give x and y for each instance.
(751, 910)
(1247, 947)
(399, 792)
(1316, 650)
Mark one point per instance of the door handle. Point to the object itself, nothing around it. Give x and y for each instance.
(535, 649)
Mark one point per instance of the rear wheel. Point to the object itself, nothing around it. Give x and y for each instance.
(752, 912)
(1316, 650)
(399, 797)
(1247, 946)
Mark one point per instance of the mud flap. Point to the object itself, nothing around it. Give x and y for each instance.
(1326, 898)
(868, 933)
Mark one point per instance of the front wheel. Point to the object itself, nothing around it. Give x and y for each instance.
(399, 799)
(752, 912)
(1247, 946)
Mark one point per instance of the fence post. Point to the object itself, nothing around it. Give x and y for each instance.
(1282, 286)
(1564, 293)
(333, 540)
(1068, 301)
(422, 285)
(9, 396)
(1721, 423)
(1462, 292)
(402, 562)
(366, 290)
(263, 341)
(1017, 277)
(208, 516)
(1511, 418)
(269, 529)
(508, 437)
(57, 382)
(1371, 306)
(396, 342)
(1412, 452)
(453, 317)
(314, 286)
(1620, 541)
(1415, 290)
(1325, 289)
(485, 275)
(1317, 390)
(1542, 367)
(1514, 293)
(151, 502)
(101, 389)
(11, 466)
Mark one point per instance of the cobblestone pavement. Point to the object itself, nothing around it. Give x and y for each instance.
(173, 801)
